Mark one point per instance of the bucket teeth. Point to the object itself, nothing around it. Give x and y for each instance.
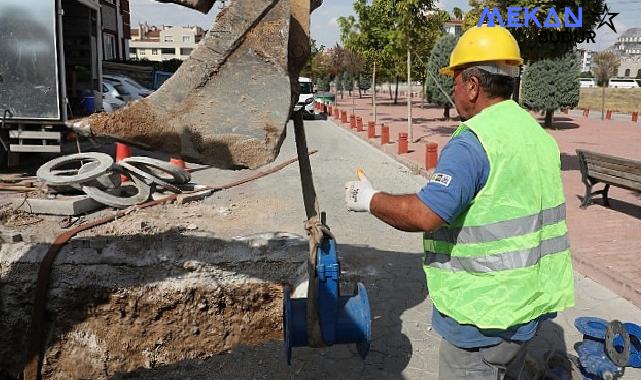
(229, 103)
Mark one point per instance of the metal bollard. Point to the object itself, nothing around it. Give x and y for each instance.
(402, 143)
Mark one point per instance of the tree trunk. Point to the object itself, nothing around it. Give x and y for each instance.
(446, 112)
(389, 89)
(396, 91)
(603, 102)
(548, 118)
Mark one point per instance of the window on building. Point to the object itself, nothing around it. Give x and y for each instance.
(142, 52)
(169, 39)
(132, 50)
(171, 51)
(627, 72)
(639, 73)
(109, 47)
(154, 51)
(185, 51)
(186, 39)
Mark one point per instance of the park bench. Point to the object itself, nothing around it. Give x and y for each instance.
(609, 170)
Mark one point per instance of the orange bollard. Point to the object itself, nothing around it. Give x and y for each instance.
(635, 116)
(402, 143)
(431, 155)
(608, 115)
(371, 130)
(359, 124)
(329, 111)
(586, 112)
(344, 117)
(122, 151)
(384, 134)
(352, 121)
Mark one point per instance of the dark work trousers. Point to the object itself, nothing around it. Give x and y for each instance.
(484, 363)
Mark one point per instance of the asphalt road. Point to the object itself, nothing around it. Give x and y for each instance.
(387, 261)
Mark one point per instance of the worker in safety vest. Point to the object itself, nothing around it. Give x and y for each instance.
(497, 257)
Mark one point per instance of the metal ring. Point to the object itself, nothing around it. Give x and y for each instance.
(149, 177)
(45, 173)
(145, 163)
(614, 329)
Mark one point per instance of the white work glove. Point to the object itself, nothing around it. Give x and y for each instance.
(358, 194)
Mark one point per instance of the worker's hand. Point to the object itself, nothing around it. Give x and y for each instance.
(358, 194)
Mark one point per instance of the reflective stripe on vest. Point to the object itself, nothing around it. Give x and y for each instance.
(499, 262)
(501, 230)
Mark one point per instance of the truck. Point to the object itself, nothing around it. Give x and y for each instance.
(50, 72)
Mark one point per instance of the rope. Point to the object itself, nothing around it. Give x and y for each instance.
(315, 228)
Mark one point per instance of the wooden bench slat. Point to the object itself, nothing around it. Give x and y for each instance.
(614, 166)
(620, 182)
(609, 158)
(592, 168)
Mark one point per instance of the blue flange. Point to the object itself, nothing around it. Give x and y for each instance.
(594, 328)
(635, 344)
(343, 319)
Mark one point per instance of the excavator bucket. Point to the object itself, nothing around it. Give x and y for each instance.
(229, 103)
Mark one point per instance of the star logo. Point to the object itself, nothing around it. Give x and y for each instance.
(606, 19)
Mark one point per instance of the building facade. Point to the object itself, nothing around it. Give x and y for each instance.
(115, 29)
(630, 67)
(164, 43)
(585, 58)
(453, 27)
(629, 43)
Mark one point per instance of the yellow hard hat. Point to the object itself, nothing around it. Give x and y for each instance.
(484, 44)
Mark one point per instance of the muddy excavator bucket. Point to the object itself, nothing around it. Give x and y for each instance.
(229, 103)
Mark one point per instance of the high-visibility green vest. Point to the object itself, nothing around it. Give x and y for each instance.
(506, 259)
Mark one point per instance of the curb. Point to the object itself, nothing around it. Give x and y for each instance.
(607, 280)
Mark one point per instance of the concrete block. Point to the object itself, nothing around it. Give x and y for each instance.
(68, 205)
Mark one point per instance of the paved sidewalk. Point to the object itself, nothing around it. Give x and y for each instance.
(606, 242)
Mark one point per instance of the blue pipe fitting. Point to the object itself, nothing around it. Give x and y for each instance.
(343, 319)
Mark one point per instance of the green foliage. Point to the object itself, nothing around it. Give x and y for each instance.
(440, 57)
(586, 74)
(458, 13)
(551, 84)
(323, 84)
(364, 83)
(531, 47)
(348, 81)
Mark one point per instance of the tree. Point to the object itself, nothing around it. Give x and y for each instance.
(323, 84)
(457, 13)
(364, 83)
(604, 66)
(348, 82)
(536, 42)
(440, 57)
(551, 84)
(314, 66)
(586, 74)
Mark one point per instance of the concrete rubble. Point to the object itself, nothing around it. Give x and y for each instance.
(143, 301)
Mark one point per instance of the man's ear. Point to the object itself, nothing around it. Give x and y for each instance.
(473, 89)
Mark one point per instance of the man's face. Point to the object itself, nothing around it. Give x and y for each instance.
(463, 95)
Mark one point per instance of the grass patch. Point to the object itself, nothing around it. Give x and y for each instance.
(616, 99)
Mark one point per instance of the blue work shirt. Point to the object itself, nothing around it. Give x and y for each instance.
(461, 172)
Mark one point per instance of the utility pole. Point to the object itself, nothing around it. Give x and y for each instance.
(374, 91)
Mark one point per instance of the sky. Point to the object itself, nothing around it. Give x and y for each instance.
(324, 20)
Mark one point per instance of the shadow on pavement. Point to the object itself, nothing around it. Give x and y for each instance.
(395, 283)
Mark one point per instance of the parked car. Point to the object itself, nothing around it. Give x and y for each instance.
(111, 98)
(306, 97)
(128, 88)
(623, 83)
(587, 82)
